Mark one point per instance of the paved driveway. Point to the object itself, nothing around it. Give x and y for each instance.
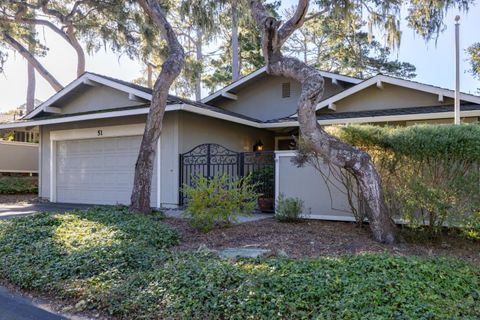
(22, 209)
(16, 307)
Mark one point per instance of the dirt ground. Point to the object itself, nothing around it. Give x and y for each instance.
(17, 198)
(312, 238)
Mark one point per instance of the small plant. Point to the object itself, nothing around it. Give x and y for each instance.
(264, 178)
(288, 209)
(219, 200)
(18, 185)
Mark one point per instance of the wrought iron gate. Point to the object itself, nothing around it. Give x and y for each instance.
(211, 159)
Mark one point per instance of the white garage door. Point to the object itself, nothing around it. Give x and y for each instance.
(98, 171)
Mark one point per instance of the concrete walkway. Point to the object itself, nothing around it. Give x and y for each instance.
(8, 211)
(16, 307)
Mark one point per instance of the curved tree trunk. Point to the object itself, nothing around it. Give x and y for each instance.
(73, 41)
(171, 68)
(330, 148)
(68, 35)
(33, 61)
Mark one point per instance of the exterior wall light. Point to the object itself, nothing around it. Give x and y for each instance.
(258, 146)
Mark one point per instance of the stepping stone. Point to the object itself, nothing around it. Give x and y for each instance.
(242, 253)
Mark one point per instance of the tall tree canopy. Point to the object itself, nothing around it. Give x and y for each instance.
(474, 58)
(339, 46)
(95, 23)
(195, 24)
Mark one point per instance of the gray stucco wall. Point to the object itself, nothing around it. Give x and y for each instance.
(181, 132)
(168, 169)
(263, 100)
(197, 129)
(321, 200)
(96, 98)
(18, 157)
(373, 98)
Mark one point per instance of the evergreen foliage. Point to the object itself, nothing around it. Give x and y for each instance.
(430, 173)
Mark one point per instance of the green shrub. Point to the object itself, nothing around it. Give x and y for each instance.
(264, 178)
(430, 173)
(288, 209)
(121, 263)
(218, 200)
(18, 185)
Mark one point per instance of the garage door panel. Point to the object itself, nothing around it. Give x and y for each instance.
(98, 171)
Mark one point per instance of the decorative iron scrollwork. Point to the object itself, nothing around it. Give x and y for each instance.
(213, 159)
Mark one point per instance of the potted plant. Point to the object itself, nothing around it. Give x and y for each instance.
(264, 178)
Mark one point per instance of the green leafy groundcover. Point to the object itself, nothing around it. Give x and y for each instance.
(18, 185)
(121, 263)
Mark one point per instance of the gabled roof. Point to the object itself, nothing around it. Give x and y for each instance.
(145, 93)
(89, 78)
(44, 114)
(383, 115)
(379, 79)
(262, 71)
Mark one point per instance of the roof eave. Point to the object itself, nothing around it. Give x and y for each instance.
(399, 82)
(84, 79)
(262, 70)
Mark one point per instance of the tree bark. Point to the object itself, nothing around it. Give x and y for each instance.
(328, 147)
(33, 61)
(235, 53)
(31, 83)
(171, 68)
(73, 41)
(149, 75)
(67, 33)
(199, 57)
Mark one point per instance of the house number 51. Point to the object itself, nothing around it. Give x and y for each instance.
(100, 133)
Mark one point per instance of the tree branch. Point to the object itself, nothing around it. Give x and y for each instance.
(33, 61)
(295, 22)
(40, 22)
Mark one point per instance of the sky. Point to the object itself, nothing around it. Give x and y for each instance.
(434, 61)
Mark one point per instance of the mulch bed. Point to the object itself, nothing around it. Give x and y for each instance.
(311, 238)
(17, 198)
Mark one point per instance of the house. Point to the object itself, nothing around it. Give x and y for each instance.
(90, 133)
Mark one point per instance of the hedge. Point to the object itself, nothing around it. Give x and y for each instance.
(430, 173)
(18, 185)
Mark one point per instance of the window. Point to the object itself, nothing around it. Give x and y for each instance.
(286, 90)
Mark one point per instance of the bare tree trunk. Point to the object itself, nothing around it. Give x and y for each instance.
(68, 34)
(72, 38)
(33, 61)
(235, 59)
(330, 148)
(30, 103)
(149, 75)
(31, 83)
(171, 68)
(199, 57)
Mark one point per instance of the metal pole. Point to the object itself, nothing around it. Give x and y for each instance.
(457, 70)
